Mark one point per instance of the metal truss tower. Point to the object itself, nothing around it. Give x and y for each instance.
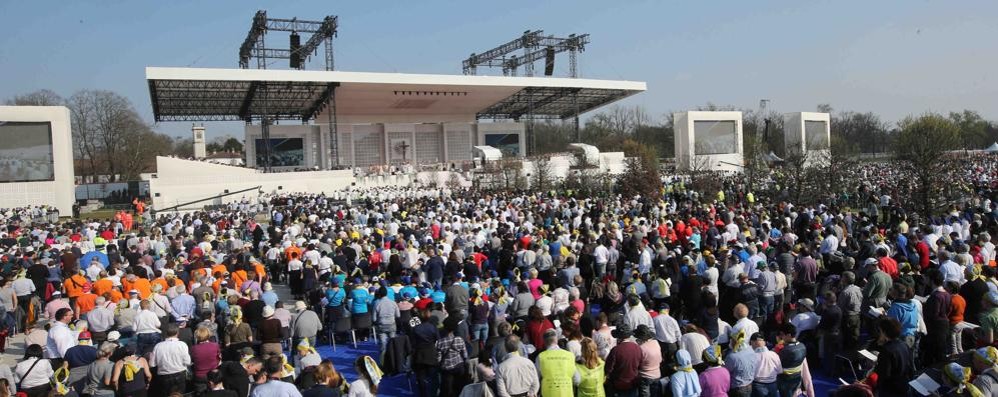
(254, 46)
(298, 55)
(535, 47)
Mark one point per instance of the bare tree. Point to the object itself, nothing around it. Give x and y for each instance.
(38, 98)
(542, 178)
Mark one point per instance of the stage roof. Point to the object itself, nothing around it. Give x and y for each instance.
(199, 94)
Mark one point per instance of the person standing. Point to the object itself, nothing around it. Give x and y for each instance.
(742, 364)
(60, 337)
(651, 361)
(685, 382)
(557, 368)
(171, 359)
(516, 375)
(590, 369)
(936, 314)
(764, 384)
(850, 300)
(386, 313)
(305, 325)
(715, 380)
(624, 363)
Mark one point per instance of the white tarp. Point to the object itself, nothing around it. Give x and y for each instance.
(488, 153)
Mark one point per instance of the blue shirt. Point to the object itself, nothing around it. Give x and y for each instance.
(335, 297)
(270, 298)
(361, 300)
(275, 388)
(184, 306)
(742, 366)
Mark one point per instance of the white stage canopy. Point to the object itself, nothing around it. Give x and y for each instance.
(200, 94)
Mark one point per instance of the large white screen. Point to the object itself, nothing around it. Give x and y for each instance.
(715, 137)
(26, 152)
(815, 136)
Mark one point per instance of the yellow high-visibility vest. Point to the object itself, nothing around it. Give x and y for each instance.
(557, 369)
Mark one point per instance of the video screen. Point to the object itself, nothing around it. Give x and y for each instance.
(26, 152)
(815, 135)
(284, 152)
(509, 144)
(715, 137)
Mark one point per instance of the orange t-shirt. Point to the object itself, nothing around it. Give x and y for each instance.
(86, 303)
(260, 270)
(142, 285)
(74, 285)
(956, 308)
(116, 296)
(218, 269)
(290, 250)
(238, 278)
(166, 284)
(103, 285)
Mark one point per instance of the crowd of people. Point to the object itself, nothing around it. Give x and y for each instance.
(470, 292)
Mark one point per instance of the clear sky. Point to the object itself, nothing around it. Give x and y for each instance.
(891, 57)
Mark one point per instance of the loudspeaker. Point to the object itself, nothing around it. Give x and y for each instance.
(295, 51)
(549, 61)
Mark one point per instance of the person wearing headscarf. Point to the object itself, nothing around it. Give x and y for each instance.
(715, 380)
(684, 382)
(366, 384)
(957, 377)
(637, 315)
(742, 363)
(985, 364)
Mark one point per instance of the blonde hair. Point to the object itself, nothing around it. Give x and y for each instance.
(325, 374)
(202, 334)
(590, 357)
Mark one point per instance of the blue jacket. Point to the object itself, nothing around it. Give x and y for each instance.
(905, 312)
(361, 300)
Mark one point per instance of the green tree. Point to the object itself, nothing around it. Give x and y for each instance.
(973, 129)
(921, 144)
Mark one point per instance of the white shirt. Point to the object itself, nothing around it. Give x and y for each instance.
(146, 322)
(829, 245)
(952, 272)
(666, 329)
(170, 356)
(694, 343)
(805, 321)
(41, 374)
(749, 326)
(23, 286)
(60, 339)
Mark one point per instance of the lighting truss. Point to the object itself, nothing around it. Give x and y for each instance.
(254, 46)
(550, 103)
(535, 47)
(212, 100)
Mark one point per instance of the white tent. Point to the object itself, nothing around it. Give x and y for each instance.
(993, 148)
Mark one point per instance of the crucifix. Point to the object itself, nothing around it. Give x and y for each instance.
(404, 146)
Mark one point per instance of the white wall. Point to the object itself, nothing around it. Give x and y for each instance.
(178, 181)
(58, 192)
(793, 130)
(685, 142)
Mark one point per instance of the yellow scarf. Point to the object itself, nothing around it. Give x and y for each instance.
(130, 370)
(60, 379)
(961, 377)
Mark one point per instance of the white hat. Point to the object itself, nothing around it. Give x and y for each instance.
(113, 336)
(300, 306)
(268, 312)
(267, 286)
